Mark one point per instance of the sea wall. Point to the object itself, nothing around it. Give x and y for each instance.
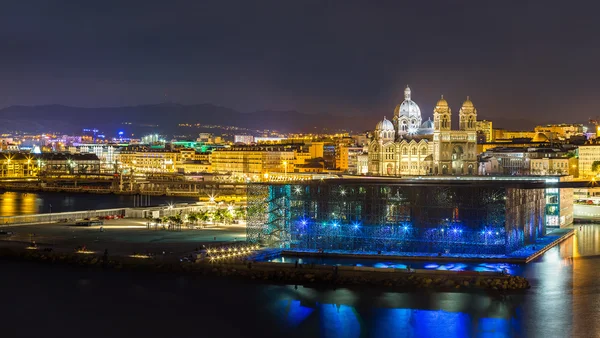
(291, 274)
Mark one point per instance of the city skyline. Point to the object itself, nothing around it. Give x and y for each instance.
(314, 168)
(315, 58)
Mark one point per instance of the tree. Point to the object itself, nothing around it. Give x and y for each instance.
(217, 215)
(227, 216)
(176, 221)
(203, 216)
(192, 217)
(157, 221)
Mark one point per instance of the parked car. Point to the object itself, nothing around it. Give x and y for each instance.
(6, 232)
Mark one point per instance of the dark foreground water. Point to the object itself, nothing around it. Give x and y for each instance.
(60, 301)
(26, 203)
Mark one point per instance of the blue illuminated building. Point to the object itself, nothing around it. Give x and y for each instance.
(456, 216)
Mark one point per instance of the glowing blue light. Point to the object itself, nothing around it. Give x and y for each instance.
(489, 233)
(497, 233)
(405, 227)
(442, 230)
(304, 222)
(454, 230)
(335, 224)
(121, 133)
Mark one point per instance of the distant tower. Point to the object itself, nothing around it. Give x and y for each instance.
(442, 115)
(468, 116)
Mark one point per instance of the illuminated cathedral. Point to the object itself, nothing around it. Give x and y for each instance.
(408, 146)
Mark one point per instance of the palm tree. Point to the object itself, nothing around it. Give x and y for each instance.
(192, 217)
(166, 220)
(227, 216)
(203, 216)
(217, 215)
(176, 222)
(157, 221)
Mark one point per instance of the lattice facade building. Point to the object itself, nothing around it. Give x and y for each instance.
(370, 215)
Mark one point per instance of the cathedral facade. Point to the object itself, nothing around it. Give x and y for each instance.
(407, 146)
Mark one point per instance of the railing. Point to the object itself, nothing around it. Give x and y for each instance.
(59, 216)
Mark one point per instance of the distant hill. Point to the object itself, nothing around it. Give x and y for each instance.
(165, 117)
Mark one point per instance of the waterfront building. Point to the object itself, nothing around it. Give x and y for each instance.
(194, 167)
(145, 159)
(252, 160)
(407, 146)
(428, 215)
(588, 154)
(107, 153)
(21, 165)
(67, 163)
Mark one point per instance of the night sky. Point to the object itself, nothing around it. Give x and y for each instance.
(516, 59)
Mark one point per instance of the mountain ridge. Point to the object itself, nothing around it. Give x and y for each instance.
(166, 116)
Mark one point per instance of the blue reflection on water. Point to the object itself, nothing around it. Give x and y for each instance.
(296, 313)
(513, 269)
(336, 320)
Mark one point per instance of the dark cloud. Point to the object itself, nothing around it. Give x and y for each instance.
(534, 59)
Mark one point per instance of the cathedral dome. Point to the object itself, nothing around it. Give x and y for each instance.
(385, 124)
(427, 124)
(442, 103)
(409, 107)
(468, 103)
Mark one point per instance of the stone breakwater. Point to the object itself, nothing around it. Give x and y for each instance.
(291, 274)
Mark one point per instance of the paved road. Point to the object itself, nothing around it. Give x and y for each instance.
(123, 237)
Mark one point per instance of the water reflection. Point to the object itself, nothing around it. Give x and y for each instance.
(27, 203)
(514, 269)
(399, 314)
(563, 302)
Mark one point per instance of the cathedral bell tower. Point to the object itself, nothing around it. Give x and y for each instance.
(467, 116)
(442, 126)
(442, 118)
